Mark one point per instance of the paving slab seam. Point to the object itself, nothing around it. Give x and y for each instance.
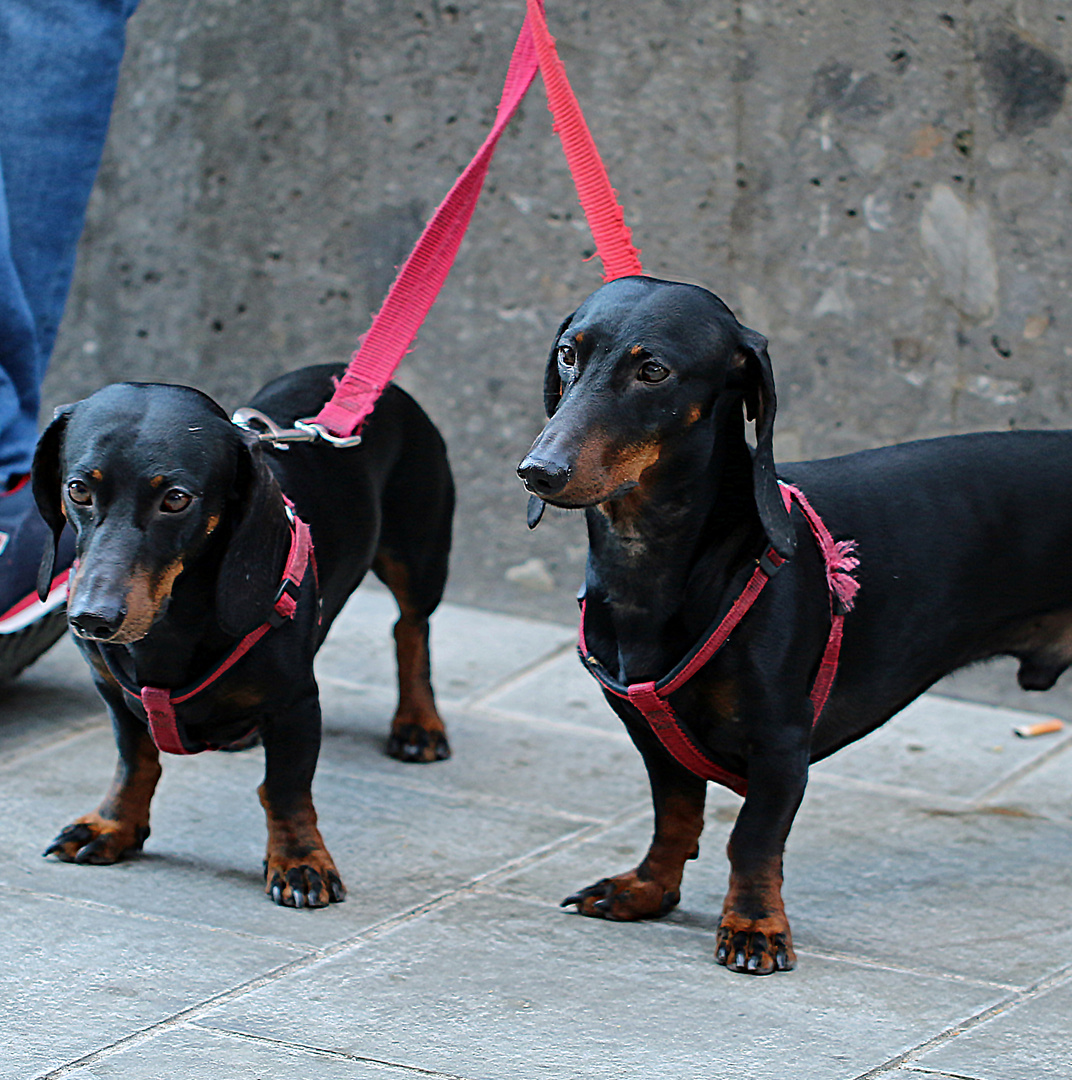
(324, 679)
(554, 847)
(945, 1075)
(151, 917)
(520, 862)
(470, 798)
(519, 674)
(935, 802)
(315, 956)
(669, 926)
(830, 955)
(331, 1055)
(225, 997)
(443, 694)
(1012, 1002)
(1025, 769)
(900, 791)
(448, 605)
(74, 731)
(137, 1038)
(604, 734)
(836, 956)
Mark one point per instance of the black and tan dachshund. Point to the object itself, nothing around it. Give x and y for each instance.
(963, 546)
(190, 563)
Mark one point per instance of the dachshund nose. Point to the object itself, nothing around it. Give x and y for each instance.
(543, 478)
(97, 623)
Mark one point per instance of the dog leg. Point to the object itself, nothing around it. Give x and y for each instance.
(753, 935)
(298, 871)
(121, 822)
(417, 731)
(653, 888)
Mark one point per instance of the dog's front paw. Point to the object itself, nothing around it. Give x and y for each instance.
(311, 881)
(417, 743)
(98, 840)
(625, 897)
(755, 946)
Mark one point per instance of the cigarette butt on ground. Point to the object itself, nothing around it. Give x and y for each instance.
(1043, 727)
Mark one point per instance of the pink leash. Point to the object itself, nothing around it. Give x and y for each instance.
(598, 199)
(423, 274)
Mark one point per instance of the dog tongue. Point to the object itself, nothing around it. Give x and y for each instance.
(535, 510)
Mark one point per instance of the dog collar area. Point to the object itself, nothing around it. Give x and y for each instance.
(651, 698)
(165, 729)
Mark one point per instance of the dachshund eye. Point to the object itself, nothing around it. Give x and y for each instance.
(567, 355)
(651, 371)
(175, 500)
(79, 493)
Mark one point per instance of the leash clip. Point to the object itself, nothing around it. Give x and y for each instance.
(267, 430)
(318, 431)
(303, 431)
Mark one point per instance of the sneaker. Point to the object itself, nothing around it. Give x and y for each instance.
(28, 625)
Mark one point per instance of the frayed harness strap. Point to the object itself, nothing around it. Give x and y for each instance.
(159, 703)
(651, 698)
(840, 561)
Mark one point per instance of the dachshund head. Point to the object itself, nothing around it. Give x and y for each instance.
(634, 374)
(154, 479)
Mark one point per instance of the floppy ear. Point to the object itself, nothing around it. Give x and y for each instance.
(552, 384)
(252, 564)
(552, 395)
(47, 483)
(760, 405)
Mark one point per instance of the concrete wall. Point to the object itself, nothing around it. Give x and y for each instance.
(885, 190)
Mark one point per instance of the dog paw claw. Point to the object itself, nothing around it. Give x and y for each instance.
(97, 841)
(415, 744)
(73, 834)
(753, 951)
(304, 885)
(624, 898)
(95, 853)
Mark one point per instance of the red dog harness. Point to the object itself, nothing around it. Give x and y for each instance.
(159, 703)
(651, 698)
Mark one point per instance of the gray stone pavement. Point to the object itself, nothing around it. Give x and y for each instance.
(927, 878)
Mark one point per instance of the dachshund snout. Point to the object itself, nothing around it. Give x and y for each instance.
(99, 621)
(542, 477)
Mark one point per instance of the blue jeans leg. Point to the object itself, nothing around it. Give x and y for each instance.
(59, 65)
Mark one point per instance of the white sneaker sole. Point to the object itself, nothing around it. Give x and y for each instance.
(31, 609)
